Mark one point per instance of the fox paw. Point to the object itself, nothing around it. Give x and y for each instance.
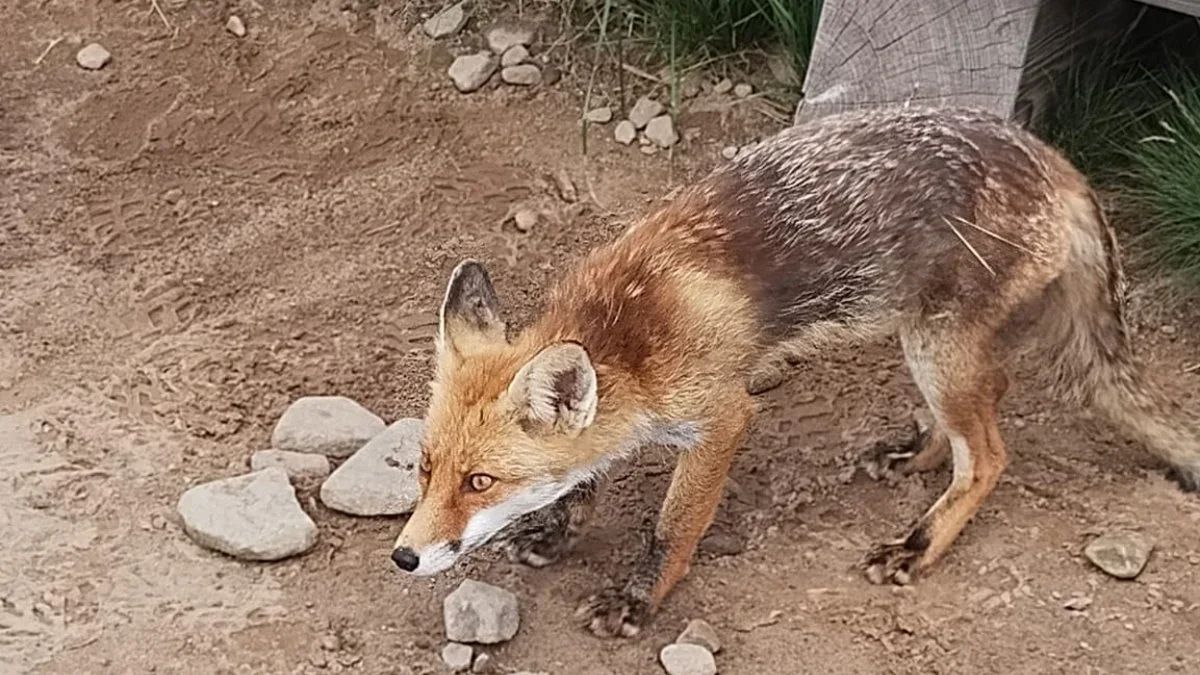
(535, 551)
(537, 539)
(894, 563)
(614, 613)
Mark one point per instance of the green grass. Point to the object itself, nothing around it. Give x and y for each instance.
(1164, 172)
(698, 30)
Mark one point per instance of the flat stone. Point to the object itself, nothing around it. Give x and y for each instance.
(381, 478)
(602, 115)
(472, 71)
(687, 659)
(480, 613)
(721, 544)
(515, 56)
(644, 110)
(446, 22)
(625, 133)
(301, 467)
(661, 131)
(724, 86)
(457, 656)
(1120, 554)
(700, 632)
(93, 57)
(236, 26)
(743, 90)
(483, 664)
(251, 517)
(524, 75)
(502, 37)
(333, 426)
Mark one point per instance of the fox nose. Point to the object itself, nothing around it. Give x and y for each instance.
(406, 558)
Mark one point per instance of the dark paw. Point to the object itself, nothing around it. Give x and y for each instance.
(891, 563)
(614, 613)
(1187, 479)
(537, 539)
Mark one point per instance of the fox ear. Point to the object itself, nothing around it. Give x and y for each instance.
(470, 314)
(556, 390)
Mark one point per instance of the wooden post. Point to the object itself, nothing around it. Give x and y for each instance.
(876, 53)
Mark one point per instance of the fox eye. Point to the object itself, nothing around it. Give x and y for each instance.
(479, 482)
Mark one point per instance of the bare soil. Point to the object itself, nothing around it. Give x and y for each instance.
(210, 227)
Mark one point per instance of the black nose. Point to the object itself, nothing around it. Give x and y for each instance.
(405, 558)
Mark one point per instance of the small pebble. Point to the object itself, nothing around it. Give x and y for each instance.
(524, 219)
(483, 664)
(1120, 554)
(566, 187)
(625, 133)
(1167, 330)
(236, 26)
(457, 656)
(601, 115)
(680, 659)
(173, 195)
(724, 86)
(503, 37)
(644, 110)
(743, 90)
(649, 150)
(472, 71)
(523, 75)
(446, 22)
(551, 74)
(514, 56)
(93, 57)
(661, 131)
(700, 632)
(729, 151)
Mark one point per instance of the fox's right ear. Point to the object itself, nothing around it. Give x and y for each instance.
(470, 314)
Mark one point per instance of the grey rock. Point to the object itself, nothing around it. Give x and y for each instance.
(721, 544)
(236, 26)
(472, 71)
(381, 478)
(446, 22)
(724, 86)
(524, 219)
(729, 151)
(524, 75)
(93, 57)
(602, 115)
(502, 37)
(457, 656)
(625, 133)
(301, 467)
(644, 110)
(481, 613)
(700, 632)
(661, 131)
(1120, 554)
(686, 659)
(743, 90)
(333, 426)
(483, 664)
(514, 56)
(252, 517)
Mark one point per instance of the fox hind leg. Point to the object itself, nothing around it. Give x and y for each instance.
(958, 375)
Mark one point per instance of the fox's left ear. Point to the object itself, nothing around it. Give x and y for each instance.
(470, 314)
(556, 390)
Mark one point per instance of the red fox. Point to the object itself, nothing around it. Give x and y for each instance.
(953, 229)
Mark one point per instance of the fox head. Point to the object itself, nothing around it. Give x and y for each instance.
(504, 432)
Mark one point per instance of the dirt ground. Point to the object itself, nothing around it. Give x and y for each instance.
(210, 227)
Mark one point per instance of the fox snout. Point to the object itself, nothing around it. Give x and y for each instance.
(406, 558)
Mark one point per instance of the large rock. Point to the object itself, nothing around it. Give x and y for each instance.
(661, 131)
(1120, 554)
(301, 467)
(472, 71)
(644, 110)
(481, 613)
(687, 659)
(252, 517)
(333, 426)
(381, 478)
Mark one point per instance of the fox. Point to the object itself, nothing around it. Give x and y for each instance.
(953, 229)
